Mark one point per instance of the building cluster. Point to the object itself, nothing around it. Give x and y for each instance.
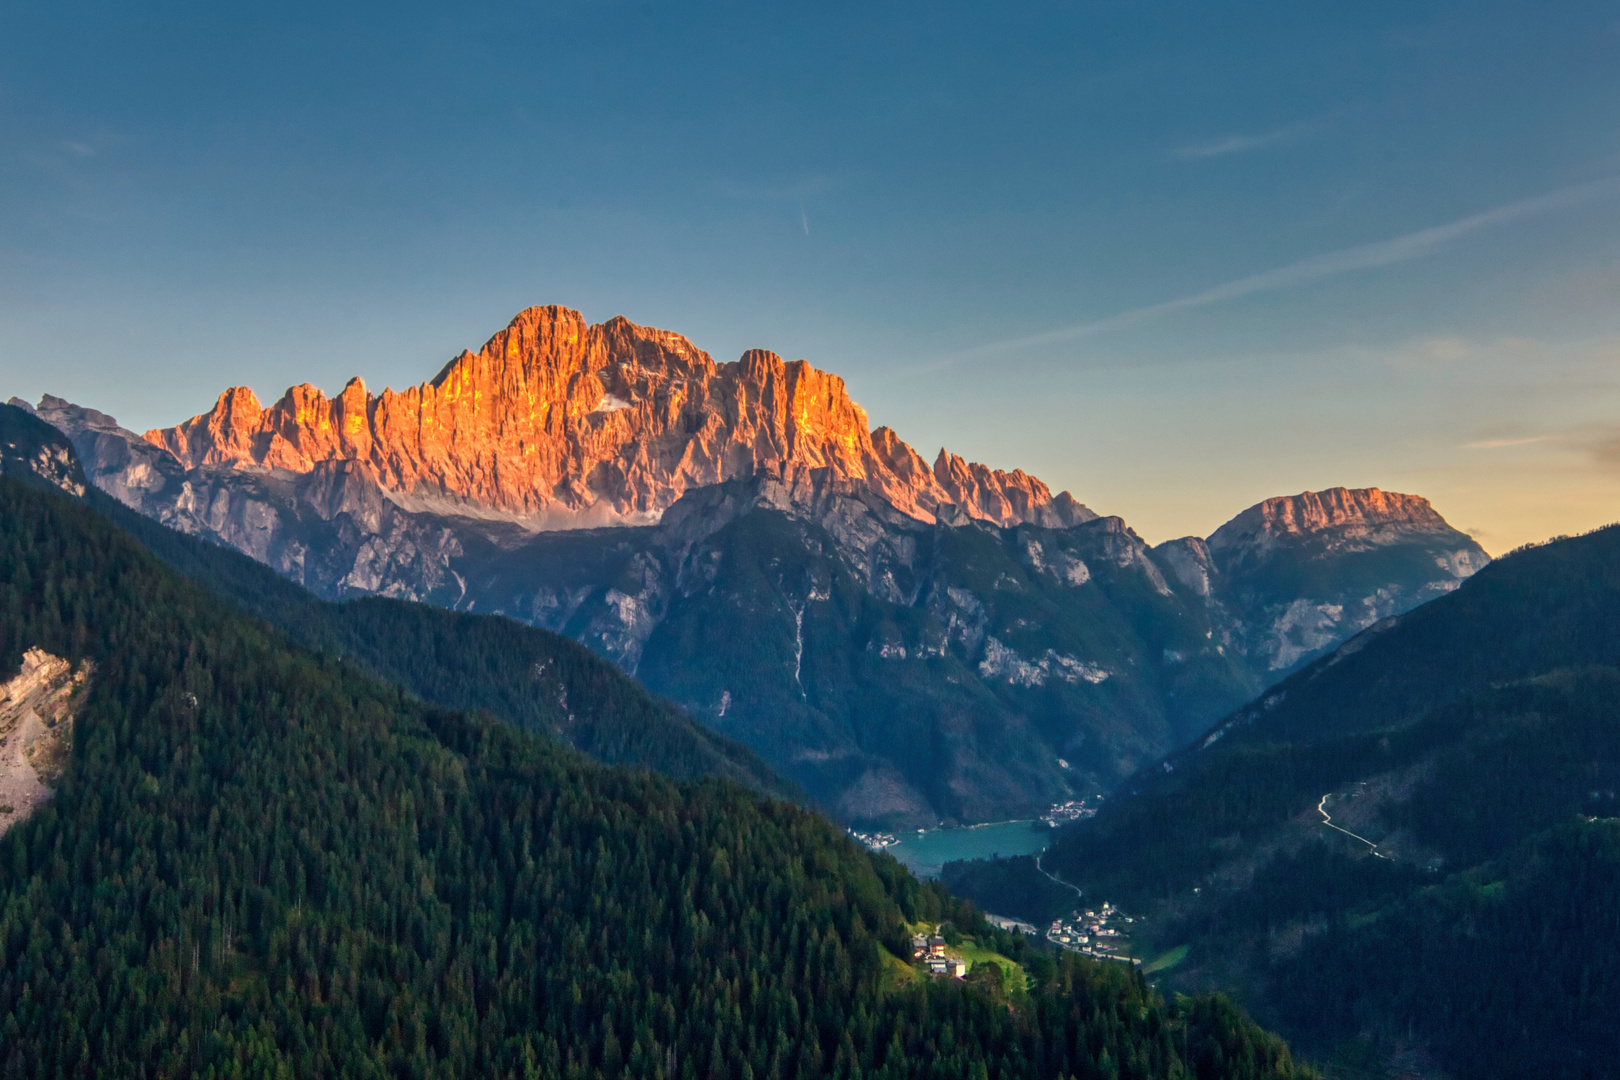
(931, 950)
(1073, 810)
(876, 841)
(1094, 933)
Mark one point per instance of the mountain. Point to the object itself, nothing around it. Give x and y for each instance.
(528, 677)
(261, 861)
(1406, 854)
(1300, 574)
(566, 425)
(37, 454)
(909, 645)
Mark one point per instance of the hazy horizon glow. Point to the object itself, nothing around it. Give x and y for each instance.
(1171, 259)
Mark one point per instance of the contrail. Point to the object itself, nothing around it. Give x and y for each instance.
(1413, 245)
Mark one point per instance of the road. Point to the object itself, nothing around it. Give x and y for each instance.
(1057, 879)
(1327, 819)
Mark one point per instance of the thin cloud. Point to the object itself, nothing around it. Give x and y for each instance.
(1414, 245)
(1238, 144)
(1605, 449)
(1497, 444)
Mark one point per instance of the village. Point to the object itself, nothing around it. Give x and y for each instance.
(1073, 810)
(1091, 934)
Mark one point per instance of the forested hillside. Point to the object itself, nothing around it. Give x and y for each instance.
(1404, 690)
(1408, 851)
(265, 862)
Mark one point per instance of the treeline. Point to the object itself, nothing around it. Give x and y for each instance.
(264, 862)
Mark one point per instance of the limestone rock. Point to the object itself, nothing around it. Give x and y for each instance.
(1300, 574)
(37, 709)
(562, 424)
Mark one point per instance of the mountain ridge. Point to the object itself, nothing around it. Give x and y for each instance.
(909, 643)
(566, 425)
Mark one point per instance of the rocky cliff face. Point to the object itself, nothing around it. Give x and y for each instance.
(1302, 573)
(35, 452)
(902, 670)
(1365, 516)
(561, 424)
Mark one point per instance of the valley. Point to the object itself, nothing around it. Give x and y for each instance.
(1400, 855)
(746, 600)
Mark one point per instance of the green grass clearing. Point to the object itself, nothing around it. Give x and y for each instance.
(896, 972)
(1166, 961)
(975, 954)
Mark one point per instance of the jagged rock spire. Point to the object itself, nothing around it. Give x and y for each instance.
(556, 417)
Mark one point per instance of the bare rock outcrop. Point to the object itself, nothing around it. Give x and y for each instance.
(34, 453)
(1353, 514)
(37, 707)
(564, 424)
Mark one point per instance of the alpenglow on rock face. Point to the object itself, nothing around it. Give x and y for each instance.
(570, 425)
(1302, 573)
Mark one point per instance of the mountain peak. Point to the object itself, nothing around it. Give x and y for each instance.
(558, 421)
(1287, 516)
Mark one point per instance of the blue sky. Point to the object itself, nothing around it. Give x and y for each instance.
(1172, 257)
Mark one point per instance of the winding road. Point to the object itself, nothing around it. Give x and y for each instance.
(1055, 878)
(1327, 819)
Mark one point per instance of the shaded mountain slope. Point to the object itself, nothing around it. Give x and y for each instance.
(261, 862)
(1405, 851)
(37, 453)
(993, 673)
(527, 676)
(1383, 701)
(1075, 646)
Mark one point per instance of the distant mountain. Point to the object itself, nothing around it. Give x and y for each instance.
(1408, 852)
(909, 644)
(261, 861)
(1299, 574)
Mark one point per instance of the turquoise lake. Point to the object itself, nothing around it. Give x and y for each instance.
(926, 852)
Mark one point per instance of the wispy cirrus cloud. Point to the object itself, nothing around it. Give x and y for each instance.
(1497, 444)
(1399, 249)
(1238, 144)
